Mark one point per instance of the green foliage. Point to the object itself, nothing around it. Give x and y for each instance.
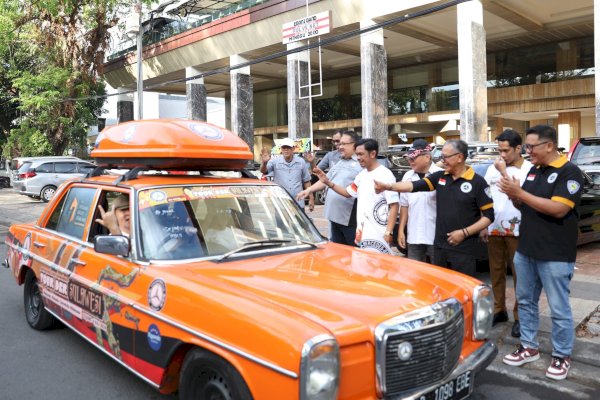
(27, 141)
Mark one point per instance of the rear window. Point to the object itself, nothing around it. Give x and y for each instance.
(24, 167)
(586, 153)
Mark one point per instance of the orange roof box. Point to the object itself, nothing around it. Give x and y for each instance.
(170, 144)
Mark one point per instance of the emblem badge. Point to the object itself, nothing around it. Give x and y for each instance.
(405, 351)
(466, 187)
(573, 186)
(552, 177)
(157, 294)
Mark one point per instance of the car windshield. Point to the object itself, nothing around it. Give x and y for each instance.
(586, 153)
(205, 221)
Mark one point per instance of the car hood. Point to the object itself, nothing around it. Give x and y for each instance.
(338, 287)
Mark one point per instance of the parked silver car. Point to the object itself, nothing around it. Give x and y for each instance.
(40, 177)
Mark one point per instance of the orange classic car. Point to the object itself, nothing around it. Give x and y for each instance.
(221, 287)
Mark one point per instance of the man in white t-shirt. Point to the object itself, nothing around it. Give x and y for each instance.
(375, 212)
(502, 235)
(418, 210)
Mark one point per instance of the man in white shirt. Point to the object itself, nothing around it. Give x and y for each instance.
(418, 210)
(376, 212)
(502, 235)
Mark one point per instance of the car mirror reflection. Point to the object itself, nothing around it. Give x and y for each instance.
(112, 244)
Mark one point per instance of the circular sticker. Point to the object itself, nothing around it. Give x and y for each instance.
(552, 177)
(206, 131)
(154, 338)
(158, 195)
(466, 187)
(157, 294)
(380, 212)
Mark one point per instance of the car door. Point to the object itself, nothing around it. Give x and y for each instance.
(89, 297)
(64, 170)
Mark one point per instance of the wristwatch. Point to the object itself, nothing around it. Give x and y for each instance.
(387, 233)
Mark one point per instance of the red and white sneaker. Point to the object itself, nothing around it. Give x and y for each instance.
(520, 356)
(559, 368)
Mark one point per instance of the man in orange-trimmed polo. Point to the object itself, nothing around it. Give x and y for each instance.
(464, 208)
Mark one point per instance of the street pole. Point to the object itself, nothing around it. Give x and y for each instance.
(140, 79)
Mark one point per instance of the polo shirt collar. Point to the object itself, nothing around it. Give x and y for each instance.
(559, 162)
(468, 175)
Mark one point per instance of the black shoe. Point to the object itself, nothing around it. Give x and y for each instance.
(516, 329)
(501, 316)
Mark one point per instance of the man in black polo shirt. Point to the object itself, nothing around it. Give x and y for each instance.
(545, 257)
(464, 207)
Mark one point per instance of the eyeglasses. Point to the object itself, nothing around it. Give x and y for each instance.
(335, 141)
(444, 157)
(345, 143)
(529, 147)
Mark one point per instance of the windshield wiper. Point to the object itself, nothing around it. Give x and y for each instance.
(263, 244)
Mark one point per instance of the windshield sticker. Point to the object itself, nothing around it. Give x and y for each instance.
(158, 195)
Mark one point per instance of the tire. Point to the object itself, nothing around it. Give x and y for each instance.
(320, 197)
(37, 316)
(206, 376)
(47, 193)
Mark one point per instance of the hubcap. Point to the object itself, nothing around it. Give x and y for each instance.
(34, 301)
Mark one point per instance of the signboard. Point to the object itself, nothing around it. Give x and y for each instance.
(307, 27)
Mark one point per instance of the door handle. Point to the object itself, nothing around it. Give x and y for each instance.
(77, 261)
(39, 245)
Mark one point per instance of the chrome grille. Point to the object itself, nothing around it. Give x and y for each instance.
(435, 334)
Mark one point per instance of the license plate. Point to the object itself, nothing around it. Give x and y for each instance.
(456, 389)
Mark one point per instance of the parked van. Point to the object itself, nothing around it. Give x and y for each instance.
(40, 177)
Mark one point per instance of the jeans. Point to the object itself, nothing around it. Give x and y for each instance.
(342, 234)
(554, 277)
(420, 252)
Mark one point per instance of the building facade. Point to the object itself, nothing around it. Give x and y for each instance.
(391, 70)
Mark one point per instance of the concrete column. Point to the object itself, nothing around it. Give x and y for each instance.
(597, 61)
(500, 127)
(373, 83)
(472, 71)
(568, 128)
(299, 118)
(124, 105)
(242, 101)
(195, 92)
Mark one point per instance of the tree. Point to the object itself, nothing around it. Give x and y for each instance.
(67, 40)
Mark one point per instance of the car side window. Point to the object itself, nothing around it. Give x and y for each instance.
(105, 200)
(65, 168)
(45, 168)
(73, 212)
(86, 168)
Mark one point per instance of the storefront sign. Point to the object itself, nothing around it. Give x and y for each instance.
(307, 27)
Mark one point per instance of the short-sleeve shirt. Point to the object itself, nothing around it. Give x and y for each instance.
(460, 203)
(507, 218)
(329, 160)
(338, 208)
(544, 237)
(291, 176)
(422, 210)
(372, 208)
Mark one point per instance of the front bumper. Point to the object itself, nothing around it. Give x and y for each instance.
(476, 362)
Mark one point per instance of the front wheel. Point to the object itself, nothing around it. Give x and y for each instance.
(47, 193)
(35, 313)
(206, 376)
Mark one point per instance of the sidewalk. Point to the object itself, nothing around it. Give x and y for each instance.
(584, 377)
